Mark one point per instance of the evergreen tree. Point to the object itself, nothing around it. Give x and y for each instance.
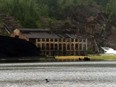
(111, 9)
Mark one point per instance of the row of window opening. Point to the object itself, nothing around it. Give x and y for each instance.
(62, 46)
(61, 40)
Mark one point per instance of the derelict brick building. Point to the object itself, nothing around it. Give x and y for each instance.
(53, 44)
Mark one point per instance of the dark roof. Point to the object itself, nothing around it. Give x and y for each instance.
(46, 33)
(41, 35)
(33, 30)
(51, 35)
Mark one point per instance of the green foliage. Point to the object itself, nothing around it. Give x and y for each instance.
(103, 57)
(111, 9)
(33, 13)
(26, 11)
(101, 2)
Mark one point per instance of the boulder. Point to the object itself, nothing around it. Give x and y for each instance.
(16, 48)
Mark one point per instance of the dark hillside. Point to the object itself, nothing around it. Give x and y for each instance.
(89, 21)
(14, 47)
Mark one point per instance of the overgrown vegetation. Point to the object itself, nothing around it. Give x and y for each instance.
(103, 57)
(93, 18)
(44, 13)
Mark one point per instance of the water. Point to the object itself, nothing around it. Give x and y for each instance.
(109, 50)
(62, 74)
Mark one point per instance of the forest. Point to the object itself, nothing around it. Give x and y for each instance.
(45, 13)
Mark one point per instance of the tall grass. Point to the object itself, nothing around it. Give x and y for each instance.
(103, 57)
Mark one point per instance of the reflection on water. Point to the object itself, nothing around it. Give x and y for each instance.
(73, 74)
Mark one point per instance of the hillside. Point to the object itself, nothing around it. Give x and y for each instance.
(89, 21)
(95, 19)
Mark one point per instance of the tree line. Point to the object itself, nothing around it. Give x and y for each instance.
(45, 13)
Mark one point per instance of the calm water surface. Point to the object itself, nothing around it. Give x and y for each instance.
(60, 74)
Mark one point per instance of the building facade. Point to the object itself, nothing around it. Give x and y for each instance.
(54, 44)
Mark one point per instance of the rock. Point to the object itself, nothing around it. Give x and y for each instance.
(86, 59)
(13, 47)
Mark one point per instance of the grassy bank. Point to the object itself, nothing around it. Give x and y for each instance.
(92, 57)
(70, 58)
(77, 58)
(103, 57)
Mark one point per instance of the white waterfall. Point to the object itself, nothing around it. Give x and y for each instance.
(108, 50)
